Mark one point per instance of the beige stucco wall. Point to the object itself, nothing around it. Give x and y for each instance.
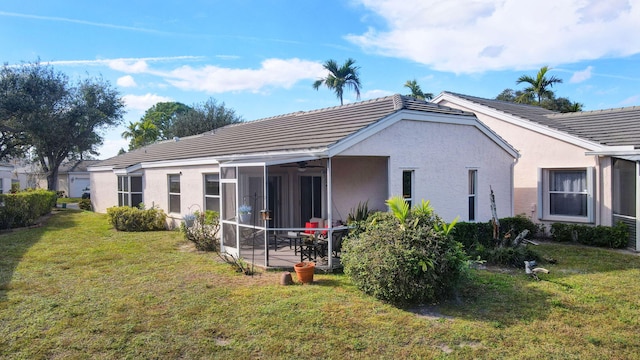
(542, 151)
(441, 155)
(358, 180)
(155, 189)
(104, 190)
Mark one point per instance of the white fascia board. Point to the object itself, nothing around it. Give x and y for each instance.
(433, 117)
(522, 122)
(616, 151)
(178, 163)
(99, 168)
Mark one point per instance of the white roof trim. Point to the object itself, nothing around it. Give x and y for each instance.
(518, 121)
(468, 120)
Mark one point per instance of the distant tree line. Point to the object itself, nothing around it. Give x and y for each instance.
(166, 120)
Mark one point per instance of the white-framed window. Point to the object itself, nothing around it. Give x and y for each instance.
(566, 194)
(473, 194)
(174, 193)
(407, 186)
(212, 192)
(129, 190)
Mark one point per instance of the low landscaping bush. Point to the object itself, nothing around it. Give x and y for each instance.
(85, 204)
(202, 229)
(603, 236)
(404, 257)
(25, 207)
(478, 241)
(125, 218)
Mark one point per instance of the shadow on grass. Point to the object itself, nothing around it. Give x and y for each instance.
(14, 244)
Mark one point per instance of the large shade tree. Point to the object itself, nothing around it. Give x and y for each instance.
(416, 91)
(58, 119)
(203, 117)
(162, 115)
(13, 141)
(340, 77)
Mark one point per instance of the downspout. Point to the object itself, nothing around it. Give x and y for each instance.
(513, 165)
(637, 206)
(329, 215)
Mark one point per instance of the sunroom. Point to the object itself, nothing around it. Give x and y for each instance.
(265, 206)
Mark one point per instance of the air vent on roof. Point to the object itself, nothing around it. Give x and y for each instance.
(176, 139)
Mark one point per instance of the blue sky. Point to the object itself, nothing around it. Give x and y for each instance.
(260, 57)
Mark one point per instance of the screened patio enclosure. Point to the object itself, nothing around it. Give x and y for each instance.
(265, 205)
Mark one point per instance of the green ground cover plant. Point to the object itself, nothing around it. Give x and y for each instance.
(76, 288)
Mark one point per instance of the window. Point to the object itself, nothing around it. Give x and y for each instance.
(174, 193)
(407, 186)
(212, 192)
(567, 194)
(129, 190)
(473, 189)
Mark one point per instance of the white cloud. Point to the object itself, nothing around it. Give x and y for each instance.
(580, 76)
(126, 81)
(467, 36)
(129, 66)
(373, 94)
(143, 102)
(111, 147)
(632, 100)
(282, 73)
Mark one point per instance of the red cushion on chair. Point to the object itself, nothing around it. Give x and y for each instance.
(310, 225)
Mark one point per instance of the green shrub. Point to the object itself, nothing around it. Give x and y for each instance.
(25, 207)
(404, 262)
(85, 204)
(516, 225)
(478, 241)
(615, 236)
(125, 218)
(202, 229)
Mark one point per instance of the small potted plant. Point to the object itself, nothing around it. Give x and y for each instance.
(245, 213)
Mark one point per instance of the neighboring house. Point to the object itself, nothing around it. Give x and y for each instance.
(6, 172)
(575, 167)
(317, 164)
(73, 177)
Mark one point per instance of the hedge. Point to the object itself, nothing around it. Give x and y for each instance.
(24, 208)
(603, 236)
(125, 218)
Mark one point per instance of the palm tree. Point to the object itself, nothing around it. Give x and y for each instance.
(416, 91)
(539, 87)
(141, 133)
(339, 77)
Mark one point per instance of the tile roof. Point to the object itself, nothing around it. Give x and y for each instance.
(299, 131)
(76, 166)
(611, 127)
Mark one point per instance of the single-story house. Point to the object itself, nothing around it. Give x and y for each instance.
(578, 167)
(6, 172)
(316, 164)
(73, 177)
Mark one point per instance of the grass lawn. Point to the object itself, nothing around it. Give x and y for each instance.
(76, 288)
(67, 200)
